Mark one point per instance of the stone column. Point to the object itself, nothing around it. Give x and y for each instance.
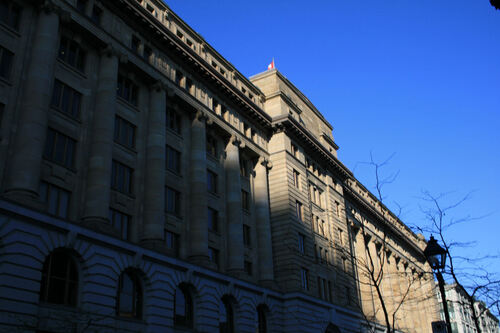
(154, 190)
(264, 241)
(101, 145)
(198, 187)
(235, 251)
(24, 169)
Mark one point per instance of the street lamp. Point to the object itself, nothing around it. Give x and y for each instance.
(436, 256)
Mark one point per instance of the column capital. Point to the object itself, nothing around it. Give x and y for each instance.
(201, 115)
(158, 86)
(235, 140)
(265, 162)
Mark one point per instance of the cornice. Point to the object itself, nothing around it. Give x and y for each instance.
(290, 124)
(191, 58)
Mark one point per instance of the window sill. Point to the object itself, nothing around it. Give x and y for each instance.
(66, 115)
(212, 158)
(10, 30)
(6, 81)
(119, 192)
(174, 172)
(59, 165)
(127, 104)
(125, 147)
(174, 132)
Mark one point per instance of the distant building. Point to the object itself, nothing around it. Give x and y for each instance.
(146, 185)
(461, 315)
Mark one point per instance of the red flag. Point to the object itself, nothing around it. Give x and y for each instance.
(271, 65)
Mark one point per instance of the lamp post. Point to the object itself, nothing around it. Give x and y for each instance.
(436, 256)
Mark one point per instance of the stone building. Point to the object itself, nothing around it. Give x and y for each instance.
(147, 185)
(461, 317)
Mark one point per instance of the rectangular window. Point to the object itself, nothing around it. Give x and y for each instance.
(321, 227)
(344, 264)
(66, 99)
(190, 86)
(295, 151)
(127, 90)
(337, 209)
(211, 181)
(304, 278)
(59, 148)
(120, 222)
(320, 291)
(245, 200)
(80, 5)
(341, 237)
(213, 255)
(302, 242)
(296, 178)
(330, 296)
(215, 106)
(10, 14)
(348, 295)
(121, 177)
(247, 238)
(96, 15)
(172, 201)
(147, 54)
(173, 121)
(173, 159)
(211, 146)
(172, 242)
(212, 219)
(244, 170)
(6, 59)
(55, 198)
(135, 44)
(71, 53)
(248, 267)
(299, 211)
(124, 132)
(179, 78)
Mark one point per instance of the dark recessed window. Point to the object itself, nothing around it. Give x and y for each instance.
(56, 199)
(147, 54)
(302, 242)
(127, 90)
(213, 256)
(6, 59)
(179, 78)
(248, 267)
(173, 121)
(244, 169)
(296, 178)
(172, 242)
(124, 132)
(81, 5)
(66, 99)
(190, 86)
(120, 222)
(59, 148)
(71, 53)
(129, 300)
(211, 146)
(295, 151)
(59, 279)
(10, 14)
(262, 317)
(245, 200)
(173, 159)
(135, 44)
(212, 219)
(299, 211)
(96, 15)
(304, 278)
(211, 181)
(247, 238)
(226, 320)
(172, 201)
(121, 177)
(183, 307)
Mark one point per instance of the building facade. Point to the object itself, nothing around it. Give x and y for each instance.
(461, 318)
(148, 186)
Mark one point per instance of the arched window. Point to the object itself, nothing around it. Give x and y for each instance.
(129, 301)
(226, 318)
(59, 279)
(262, 317)
(183, 306)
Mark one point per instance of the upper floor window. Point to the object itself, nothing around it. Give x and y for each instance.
(6, 59)
(212, 216)
(173, 121)
(299, 211)
(124, 132)
(211, 146)
(147, 54)
(304, 278)
(59, 148)
(179, 78)
(295, 150)
(135, 44)
(81, 5)
(172, 242)
(120, 222)
(55, 199)
(211, 181)
(71, 53)
(245, 200)
(173, 159)
(10, 14)
(121, 177)
(59, 279)
(213, 256)
(172, 201)
(248, 267)
(183, 307)
(96, 15)
(247, 237)
(66, 99)
(296, 178)
(244, 169)
(129, 300)
(302, 242)
(127, 90)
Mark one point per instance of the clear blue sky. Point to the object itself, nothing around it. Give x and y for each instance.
(420, 79)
